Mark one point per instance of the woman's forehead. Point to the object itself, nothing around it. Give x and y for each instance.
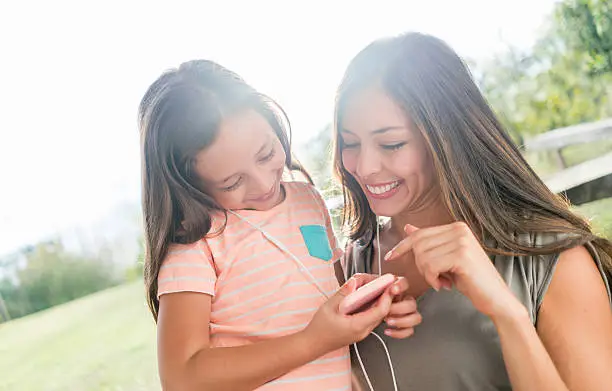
(371, 110)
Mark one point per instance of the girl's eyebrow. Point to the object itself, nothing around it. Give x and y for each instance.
(227, 179)
(263, 147)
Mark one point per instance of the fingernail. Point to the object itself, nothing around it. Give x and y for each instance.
(388, 332)
(390, 322)
(395, 290)
(388, 255)
(351, 284)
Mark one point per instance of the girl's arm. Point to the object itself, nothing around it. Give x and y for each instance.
(187, 362)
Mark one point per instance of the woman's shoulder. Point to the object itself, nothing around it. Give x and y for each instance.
(530, 273)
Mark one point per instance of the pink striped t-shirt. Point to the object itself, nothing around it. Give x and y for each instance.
(258, 291)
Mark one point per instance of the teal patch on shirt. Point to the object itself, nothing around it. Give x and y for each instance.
(317, 242)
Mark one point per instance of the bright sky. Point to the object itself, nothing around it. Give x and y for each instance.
(72, 74)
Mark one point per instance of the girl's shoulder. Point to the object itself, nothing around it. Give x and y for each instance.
(299, 186)
(303, 191)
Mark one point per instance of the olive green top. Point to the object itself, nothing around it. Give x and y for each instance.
(455, 347)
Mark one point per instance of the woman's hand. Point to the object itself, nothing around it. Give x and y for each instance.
(403, 315)
(450, 254)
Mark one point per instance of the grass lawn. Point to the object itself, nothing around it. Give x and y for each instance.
(103, 342)
(600, 214)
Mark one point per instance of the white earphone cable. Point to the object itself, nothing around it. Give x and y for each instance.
(365, 374)
(283, 248)
(305, 270)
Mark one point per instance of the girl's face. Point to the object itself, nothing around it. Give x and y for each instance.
(242, 168)
(385, 154)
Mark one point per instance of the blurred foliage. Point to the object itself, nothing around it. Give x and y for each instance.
(53, 276)
(136, 271)
(548, 86)
(587, 27)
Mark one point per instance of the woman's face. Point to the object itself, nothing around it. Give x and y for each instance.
(385, 153)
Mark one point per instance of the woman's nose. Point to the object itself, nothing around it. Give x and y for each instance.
(368, 163)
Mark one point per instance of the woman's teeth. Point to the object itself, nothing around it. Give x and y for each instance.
(382, 189)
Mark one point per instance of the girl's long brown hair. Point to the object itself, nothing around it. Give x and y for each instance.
(179, 115)
(484, 179)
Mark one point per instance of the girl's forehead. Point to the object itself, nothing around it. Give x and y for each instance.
(240, 139)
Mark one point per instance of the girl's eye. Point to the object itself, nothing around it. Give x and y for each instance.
(234, 186)
(346, 145)
(393, 147)
(268, 156)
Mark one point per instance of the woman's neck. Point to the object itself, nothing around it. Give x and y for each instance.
(430, 215)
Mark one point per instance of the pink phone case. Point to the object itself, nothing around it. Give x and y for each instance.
(367, 293)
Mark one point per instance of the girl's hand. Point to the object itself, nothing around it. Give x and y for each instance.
(333, 330)
(450, 254)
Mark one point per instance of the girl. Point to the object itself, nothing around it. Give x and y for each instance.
(526, 298)
(240, 264)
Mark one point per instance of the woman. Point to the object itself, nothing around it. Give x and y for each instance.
(513, 288)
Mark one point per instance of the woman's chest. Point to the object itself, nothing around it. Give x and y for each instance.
(454, 348)
(404, 267)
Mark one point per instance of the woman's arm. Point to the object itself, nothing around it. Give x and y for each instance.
(574, 348)
(187, 362)
(575, 323)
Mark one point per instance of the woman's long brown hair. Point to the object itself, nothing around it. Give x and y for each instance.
(179, 115)
(484, 179)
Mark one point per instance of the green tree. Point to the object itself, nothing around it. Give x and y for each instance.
(546, 87)
(588, 29)
(54, 276)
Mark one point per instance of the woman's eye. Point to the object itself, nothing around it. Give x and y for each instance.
(393, 147)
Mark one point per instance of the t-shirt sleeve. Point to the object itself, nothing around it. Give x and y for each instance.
(532, 275)
(187, 268)
(544, 268)
(337, 252)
